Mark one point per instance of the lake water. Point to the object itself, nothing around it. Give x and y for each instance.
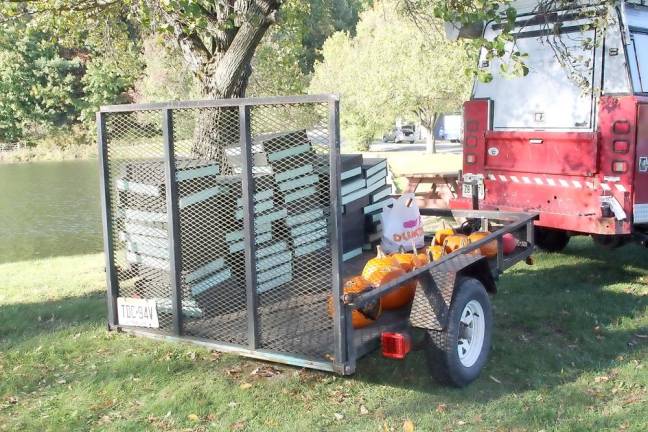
(49, 209)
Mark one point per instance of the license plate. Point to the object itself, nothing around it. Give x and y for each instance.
(137, 312)
(467, 190)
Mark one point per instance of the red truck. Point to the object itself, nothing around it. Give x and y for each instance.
(570, 139)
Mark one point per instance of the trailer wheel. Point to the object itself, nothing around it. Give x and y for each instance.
(551, 240)
(457, 355)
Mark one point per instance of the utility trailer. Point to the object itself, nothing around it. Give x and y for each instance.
(570, 139)
(240, 249)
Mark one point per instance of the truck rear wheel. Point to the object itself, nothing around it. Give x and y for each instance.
(457, 355)
(551, 240)
(609, 241)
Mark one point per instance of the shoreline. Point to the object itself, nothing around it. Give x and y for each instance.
(48, 154)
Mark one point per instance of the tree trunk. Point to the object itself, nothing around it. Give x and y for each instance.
(220, 60)
(219, 128)
(430, 141)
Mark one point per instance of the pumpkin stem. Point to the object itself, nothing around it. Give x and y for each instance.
(401, 249)
(414, 250)
(380, 253)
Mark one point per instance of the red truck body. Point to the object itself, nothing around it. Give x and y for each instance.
(542, 144)
(563, 175)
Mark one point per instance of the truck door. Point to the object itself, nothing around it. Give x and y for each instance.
(641, 175)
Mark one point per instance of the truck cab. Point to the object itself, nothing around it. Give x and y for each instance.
(570, 139)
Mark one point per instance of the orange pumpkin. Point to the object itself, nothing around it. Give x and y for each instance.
(455, 242)
(436, 252)
(362, 317)
(489, 250)
(440, 235)
(383, 269)
(405, 260)
(419, 259)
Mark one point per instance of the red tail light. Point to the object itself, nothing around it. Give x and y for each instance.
(621, 127)
(395, 345)
(621, 147)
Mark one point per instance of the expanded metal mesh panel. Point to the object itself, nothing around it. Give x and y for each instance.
(207, 151)
(291, 222)
(136, 182)
(292, 195)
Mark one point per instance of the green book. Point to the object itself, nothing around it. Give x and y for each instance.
(371, 166)
(351, 254)
(376, 206)
(352, 186)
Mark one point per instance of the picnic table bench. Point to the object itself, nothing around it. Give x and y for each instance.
(443, 188)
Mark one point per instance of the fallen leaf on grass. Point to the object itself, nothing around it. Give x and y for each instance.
(245, 386)
(495, 379)
(215, 355)
(408, 426)
(266, 371)
(338, 416)
(601, 379)
(12, 400)
(193, 417)
(235, 371)
(633, 399)
(441, 408)
(363, 410)
(460, 423)
(238, 425)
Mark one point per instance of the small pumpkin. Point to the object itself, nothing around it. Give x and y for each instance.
(436, 252)
(455, 242)
(383, 269)
(440, 235)
(405, 259)
(364, 316)
(489, 250)
(419, 259)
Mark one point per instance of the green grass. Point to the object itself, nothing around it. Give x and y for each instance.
(570, 353)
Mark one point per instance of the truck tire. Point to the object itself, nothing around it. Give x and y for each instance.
(551, 240)
(457, 355)
(609, 242)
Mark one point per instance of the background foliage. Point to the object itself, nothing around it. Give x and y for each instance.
(391, 69)
(56, 69)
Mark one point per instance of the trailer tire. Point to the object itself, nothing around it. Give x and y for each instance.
(457, 355)
(551, 240)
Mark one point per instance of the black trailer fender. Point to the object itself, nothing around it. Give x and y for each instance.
(436, 289)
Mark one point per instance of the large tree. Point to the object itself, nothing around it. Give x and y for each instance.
(217, 39)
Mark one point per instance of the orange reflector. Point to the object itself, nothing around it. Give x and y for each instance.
(621, 127)
(395, 345)
(471, 158)
(471, 141)
(621, 146)
(619, 167)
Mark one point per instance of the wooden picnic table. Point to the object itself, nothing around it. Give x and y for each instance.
(443, 188)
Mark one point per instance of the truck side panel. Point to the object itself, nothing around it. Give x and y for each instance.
(641, 172)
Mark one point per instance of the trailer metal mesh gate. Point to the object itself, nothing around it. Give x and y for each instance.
(225, 213)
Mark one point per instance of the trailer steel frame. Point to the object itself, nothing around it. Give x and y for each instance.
(348, 344)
